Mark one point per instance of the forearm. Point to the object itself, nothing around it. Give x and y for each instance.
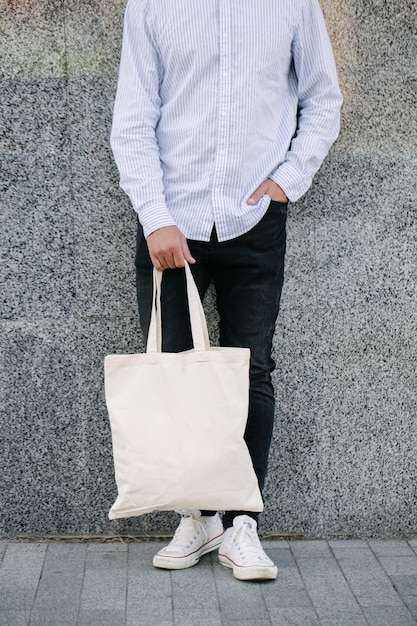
(319, 103)
(306, 154)
(135, 117)
(137, 159)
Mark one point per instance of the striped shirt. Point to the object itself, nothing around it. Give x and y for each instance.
(214, 97)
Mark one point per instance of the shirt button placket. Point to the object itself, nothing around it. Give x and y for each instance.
(223, 113)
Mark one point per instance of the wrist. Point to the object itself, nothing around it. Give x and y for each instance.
(276, 192)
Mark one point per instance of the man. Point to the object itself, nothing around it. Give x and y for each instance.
(225, 110)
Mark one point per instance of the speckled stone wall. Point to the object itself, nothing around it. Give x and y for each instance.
(344, 460)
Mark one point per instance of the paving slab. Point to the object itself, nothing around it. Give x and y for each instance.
(294, 617)
(3, 546)
(277, 597)
(106, 617)
(58, 595)
(20, 573)
(406, 585)
(386, 547)
(245, 622)
(367, 579)
(388, 616)
(140, 620)
(344, 622)
(320, 583)
(412, 607)
(14, 618)
(191, 617)
(399, 565)
(348, 544)
(310, 549)
(413, 544)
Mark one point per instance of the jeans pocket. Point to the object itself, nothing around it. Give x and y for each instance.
(275, 206)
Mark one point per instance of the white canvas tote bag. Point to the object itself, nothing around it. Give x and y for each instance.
(178, 422)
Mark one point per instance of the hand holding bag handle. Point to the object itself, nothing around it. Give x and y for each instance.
(178, 422)
(198, 320)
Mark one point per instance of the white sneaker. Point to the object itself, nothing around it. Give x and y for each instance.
(241, 550)
(195, 536)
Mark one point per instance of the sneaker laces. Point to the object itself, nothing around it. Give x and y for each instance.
(182, 534)
(247, 537)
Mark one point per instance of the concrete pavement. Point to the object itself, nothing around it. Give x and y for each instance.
(320, 583)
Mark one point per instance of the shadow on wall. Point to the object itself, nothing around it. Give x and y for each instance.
(340, 25)
(25, 8)
(91, 34)
(20, 7)
(51, 39)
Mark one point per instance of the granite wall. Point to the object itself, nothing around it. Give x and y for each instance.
(344, 460)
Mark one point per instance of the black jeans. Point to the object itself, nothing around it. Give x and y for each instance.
(247, 273)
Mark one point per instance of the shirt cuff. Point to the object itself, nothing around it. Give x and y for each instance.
(290, 181)
(154, 217)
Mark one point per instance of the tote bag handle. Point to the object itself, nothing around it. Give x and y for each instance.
(198, 319)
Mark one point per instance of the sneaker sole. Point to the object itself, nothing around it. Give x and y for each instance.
(183, 562)
(255, 572)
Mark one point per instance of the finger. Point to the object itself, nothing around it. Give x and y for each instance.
(254, 199)
(257, 194)
(170, 261)
(178, 257)
(189, 258)
(186, 253)
(162, 261)
(156, 263)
